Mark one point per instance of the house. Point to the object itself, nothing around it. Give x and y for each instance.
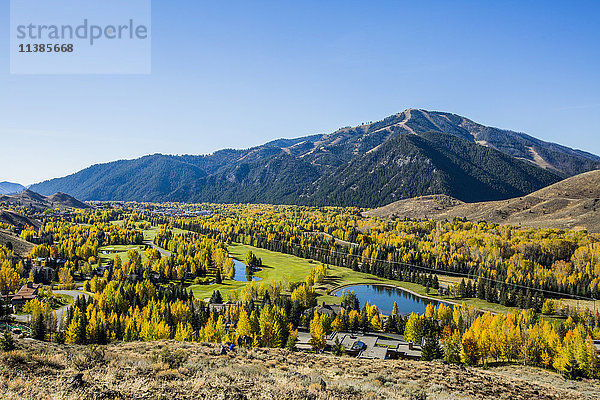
(357, 344)
(42, 274)
(155, 277)
(375, 346)
(101, 270)
(215, 307)
(303, 342)
(407, 351)
(27, 292)
(374, 353)
(331, 310)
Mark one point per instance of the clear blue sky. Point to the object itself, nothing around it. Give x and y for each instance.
(240, 73)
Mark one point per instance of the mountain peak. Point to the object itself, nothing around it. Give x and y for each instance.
(414, 152)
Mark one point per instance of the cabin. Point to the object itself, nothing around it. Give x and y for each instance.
(215, 307)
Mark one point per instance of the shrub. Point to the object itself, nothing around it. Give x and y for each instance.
(174, 359)
(337, 349)
(93, 355)
(7, 342)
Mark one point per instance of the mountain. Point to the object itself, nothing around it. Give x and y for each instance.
(443, 164)
(31, 199)
(368, 165)
(573, 203)
(10, 188)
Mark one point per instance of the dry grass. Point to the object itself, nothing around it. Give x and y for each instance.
(145, 371)
(568, 204)
(20, 246)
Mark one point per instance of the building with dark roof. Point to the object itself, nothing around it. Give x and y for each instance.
(27, 292)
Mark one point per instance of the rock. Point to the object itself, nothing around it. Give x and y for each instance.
(323, 385)
(76, 380)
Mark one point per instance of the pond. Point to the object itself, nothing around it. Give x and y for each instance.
(240, 272)
(384, 297)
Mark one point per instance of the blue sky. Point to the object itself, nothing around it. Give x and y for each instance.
(237, 74)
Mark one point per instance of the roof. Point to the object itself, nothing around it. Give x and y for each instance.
(375, 352)
(29, 289)
(404, 349)
(326, 309)
(27, 292)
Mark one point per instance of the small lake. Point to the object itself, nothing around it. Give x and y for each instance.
(384, 297)
(240, 272)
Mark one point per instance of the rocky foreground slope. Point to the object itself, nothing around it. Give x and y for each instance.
(170, 370)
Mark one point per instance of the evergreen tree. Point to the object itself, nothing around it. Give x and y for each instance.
(216, 298)
(295, 312)
(38, 327)
(431, 347)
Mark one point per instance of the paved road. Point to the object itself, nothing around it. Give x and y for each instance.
(60, 312)
(162, 251)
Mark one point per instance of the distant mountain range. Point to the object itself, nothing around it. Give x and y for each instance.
(10, 188)
(573, 203)
(31, 199)
(412, 153)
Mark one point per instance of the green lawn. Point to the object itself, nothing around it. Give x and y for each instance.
(289, 268)
(277, 266)
(150, 234)
(122, 252)
(65, 299)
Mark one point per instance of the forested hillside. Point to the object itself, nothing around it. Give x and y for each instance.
(409, 154)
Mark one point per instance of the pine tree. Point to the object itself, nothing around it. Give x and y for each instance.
(431, 347)
(216, 298)
(38, 327)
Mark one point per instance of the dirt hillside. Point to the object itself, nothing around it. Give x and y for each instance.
(196, 371)
(573, 203)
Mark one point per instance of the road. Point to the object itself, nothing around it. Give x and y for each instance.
(162, 251)
(60, 312)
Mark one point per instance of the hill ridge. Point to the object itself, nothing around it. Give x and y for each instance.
(307, 170)
(573, 203)
(29, 198)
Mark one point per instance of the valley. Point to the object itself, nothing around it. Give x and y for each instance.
(458, 290)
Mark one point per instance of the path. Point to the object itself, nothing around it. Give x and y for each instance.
(60, 312)
(162, 251)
